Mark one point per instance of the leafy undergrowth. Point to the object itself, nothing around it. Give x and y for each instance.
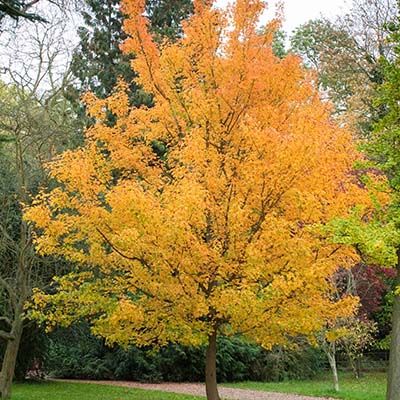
(78, 391)
(371, 386)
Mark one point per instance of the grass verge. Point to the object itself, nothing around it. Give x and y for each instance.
(371, 386)
(80, 391)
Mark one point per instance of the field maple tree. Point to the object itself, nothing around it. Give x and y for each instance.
(222, 234)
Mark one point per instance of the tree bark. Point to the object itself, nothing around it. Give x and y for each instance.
(355, 364)
(10, 359)
(393, 379)
(332, 363)
(211, 368)
(359, 370)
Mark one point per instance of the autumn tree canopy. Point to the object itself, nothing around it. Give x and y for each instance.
(222, 234)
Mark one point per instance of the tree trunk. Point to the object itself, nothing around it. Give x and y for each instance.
(211, 368)
(359, 370)
(332, 363)
(354, 364)
(10, 358)
(393, 379)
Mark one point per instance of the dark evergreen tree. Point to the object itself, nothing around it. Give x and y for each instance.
(166, 16)
(18, 9)
(98, 62)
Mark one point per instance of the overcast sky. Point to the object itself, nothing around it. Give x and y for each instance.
(300, 11)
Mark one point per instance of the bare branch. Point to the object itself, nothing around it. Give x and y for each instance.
(122, 254)
(6, 335)
(10, 290)
(6, 320)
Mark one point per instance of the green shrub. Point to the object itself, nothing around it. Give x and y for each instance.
(75, 353)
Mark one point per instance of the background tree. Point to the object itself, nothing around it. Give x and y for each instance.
(353, 335)
(373, 65)
(346, 54)
(21, 270)
(166, 17)
(360, 335)
(383, 150)
(327, 339)
(224, 234)
(12, 12)
(18, 9)
(35, 121)
(376, 236)
(98, 62)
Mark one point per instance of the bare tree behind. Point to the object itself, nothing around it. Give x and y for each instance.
(35, 123)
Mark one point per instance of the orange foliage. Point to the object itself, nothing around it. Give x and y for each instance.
(222, 233)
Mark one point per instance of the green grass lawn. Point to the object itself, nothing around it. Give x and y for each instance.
(79, 391)
(369, 387)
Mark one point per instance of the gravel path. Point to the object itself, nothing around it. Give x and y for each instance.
(198, 389)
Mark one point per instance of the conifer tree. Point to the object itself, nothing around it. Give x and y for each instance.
(99, 62)
(17, 9)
